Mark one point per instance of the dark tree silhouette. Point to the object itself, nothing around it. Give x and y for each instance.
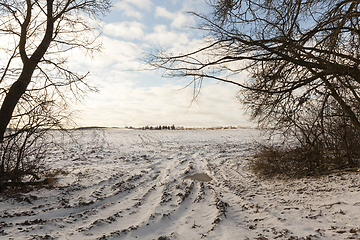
(37, 32)
(301, 56)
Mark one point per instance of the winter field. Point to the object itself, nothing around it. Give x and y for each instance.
(118, 184)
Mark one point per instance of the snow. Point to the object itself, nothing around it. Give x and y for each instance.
(120, 184)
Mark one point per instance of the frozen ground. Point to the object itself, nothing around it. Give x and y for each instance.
(120, 184)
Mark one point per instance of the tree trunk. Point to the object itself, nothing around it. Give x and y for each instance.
(12, 98)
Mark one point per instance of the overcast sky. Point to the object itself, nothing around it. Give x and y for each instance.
(131, 96)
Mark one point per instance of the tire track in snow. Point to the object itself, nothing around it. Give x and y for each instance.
(174, 206)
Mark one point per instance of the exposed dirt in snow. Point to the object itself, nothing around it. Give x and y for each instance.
(202, 177)
(143, 185)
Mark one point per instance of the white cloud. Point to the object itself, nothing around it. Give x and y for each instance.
(143, 4)
(127, 30)
(128, 7)
(163, 105)
(179, 19)
(128, 10)
(161, 36)
(162, 12)
(120, 53)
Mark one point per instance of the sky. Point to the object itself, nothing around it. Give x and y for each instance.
(131, 94)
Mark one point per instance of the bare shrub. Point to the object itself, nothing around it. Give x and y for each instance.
(289, 163)
(336, 150)
(26, 147)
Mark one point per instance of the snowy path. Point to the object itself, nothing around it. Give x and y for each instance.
(129, 185)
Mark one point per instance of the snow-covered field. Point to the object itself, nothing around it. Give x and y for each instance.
(119, 184)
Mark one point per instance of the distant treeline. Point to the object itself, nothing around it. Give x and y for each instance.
(159, 128)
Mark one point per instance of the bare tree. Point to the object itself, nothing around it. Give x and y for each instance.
(34, 34)
(301, 57)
